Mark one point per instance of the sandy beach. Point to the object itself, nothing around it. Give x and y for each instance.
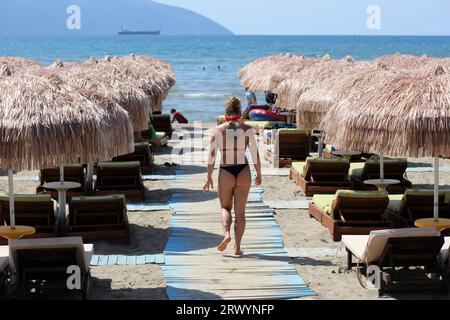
(321, 263)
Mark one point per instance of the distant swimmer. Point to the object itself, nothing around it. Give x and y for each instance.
(177, 116)
(204, 68)
(218, 68)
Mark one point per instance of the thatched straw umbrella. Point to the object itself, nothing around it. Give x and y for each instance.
(402, 115)
(45, 122)
(19, 65)
(290, 90)
(404, 62)
(154, 76)
(257, 75)
(286, 70)
(319, 99)
(110, 81)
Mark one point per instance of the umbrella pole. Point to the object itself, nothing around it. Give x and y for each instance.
(381, 167)
(321, 145)
(61, 174)
(436, 189)
(12, 216)
(89, 176)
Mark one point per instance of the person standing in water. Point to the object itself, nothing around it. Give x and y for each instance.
(233, 139)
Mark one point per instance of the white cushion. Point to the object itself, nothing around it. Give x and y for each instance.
(4, 254)
(378, 240)
(356, 244)
(84, 252)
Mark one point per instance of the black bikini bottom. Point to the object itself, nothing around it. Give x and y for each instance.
(236, 169)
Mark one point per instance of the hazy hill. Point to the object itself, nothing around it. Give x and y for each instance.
(101, 17)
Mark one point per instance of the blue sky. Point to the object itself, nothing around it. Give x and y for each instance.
(330, 17)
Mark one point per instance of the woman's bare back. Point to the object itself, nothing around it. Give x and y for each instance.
(232, 140)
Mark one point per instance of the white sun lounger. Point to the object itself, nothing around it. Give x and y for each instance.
(83, 255)
(371, 249)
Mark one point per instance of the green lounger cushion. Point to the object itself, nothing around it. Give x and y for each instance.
(324, 202)
(27, 198)
(361, 194)
(99, 198)
(447, 196)
(356, 169)
(131, 164)
(293, 131)
(298, 167)
(358, 195)
(160, 135)
(395, 202)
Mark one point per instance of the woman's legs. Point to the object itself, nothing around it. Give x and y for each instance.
(241, 191)
(226, 186)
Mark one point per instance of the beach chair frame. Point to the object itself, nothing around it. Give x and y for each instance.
(46, 269)
(111, 213)
(418, 207)
(353, 216)
(391, 171)
(408, 263)
(32, 214)
(288, 148)
(71, 173)
(143, 154)
(120, 180)
(323, 178)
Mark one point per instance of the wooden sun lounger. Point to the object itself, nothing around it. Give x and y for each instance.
(142, 153)
(43, 263)
(38, 211)
(407, 259)
(162, 123)
(73, 173)
(291, 145)
(327, 153)
(99, 218)
(393, 169)
(119, 178)
(351, 212)
(321, 176)
(405, 209)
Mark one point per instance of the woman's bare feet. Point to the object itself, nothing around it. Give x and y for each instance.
(224, 244)
(238, 252)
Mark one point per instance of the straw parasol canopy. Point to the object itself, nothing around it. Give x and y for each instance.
(317, 101)
(110, 81)
(290, 90)
(404, 62)
(400, 115)
(286, 70)
(17, 65)
(45, 122)
(257, 75)
(154, 76)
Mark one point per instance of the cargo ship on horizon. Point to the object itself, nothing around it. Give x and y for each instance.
(124, 31)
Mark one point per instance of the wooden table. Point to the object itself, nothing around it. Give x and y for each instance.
(17, 232)
(382, 184)
(346, 154)
(440, 224)
(61, 187)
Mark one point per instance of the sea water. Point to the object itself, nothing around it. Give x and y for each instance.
(207, 66)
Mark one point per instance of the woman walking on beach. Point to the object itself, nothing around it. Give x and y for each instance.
(233, 139)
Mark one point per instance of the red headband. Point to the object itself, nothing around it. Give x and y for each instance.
(231, 119)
